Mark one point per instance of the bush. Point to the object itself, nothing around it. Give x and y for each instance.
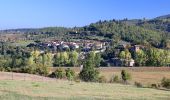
(89, 75)
(24, 70)
(2, 69)
(70, 74)
(165, 83)
(77, 79)
(114, 79)
(154, 86)
(59, 73)
(42, 70)
(125, 75)
(8, 69)
(52, 75)
(38, 69)
(102, 79)
(137, 84)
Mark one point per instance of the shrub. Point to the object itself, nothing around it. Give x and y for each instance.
(89, 75)
(125, 75)
(102, 79)
(137, 84)
(114, 79)
(52, 75)
(59, 73)
(70, 74)
(154, 86)
(77, 79)
(8, 69)
(165, 83)
(30, 69)
(24, 70)
(42, 70)
(38, 69)
(2, 69)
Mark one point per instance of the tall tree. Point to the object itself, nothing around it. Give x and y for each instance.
(98, 59)
(140, 58)
(89, 73)
(73, 58)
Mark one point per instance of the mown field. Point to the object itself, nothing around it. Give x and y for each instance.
(65, 90)
(144, 75)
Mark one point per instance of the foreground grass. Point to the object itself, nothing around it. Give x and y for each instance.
(64, 90)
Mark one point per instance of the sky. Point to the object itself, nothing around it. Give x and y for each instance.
(70, 13)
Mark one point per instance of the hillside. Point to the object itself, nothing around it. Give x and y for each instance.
(163, 17)
(154, 32)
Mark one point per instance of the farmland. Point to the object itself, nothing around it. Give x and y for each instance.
(144, 75)
(19, 86)
(28, 90)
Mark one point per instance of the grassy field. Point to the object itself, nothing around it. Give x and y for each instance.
(144, 75)
(64, 90)
(42, 88)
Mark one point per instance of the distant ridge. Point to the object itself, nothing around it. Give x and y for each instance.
(163, 17)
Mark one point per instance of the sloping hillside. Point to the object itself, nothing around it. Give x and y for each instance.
(154, 32)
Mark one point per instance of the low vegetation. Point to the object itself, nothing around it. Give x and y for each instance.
(63, 90)
(165, 83)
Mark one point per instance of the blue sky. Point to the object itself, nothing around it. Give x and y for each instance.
(69, 13)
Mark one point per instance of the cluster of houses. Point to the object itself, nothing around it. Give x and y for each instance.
(85, 46)
(116, 61)
(82, 45)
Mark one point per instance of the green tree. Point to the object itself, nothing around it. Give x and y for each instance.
(98, 59)
(35, 54)
(59, 73)
(44, 59)
(125, 56)
(49, 60)
(140, 58)
(125, 75)
(70, 74)
(56, 60)
(157, 57)
(73, 58)
(122, 55)
(30, 61)
(89, 73)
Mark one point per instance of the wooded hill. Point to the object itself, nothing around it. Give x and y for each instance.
(153, 32)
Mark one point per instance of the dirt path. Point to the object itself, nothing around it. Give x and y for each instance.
(23, 76)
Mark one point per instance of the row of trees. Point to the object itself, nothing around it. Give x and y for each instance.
(149, 57)
(66, 59)
(35, 61)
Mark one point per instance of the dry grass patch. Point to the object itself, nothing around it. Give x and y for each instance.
(69, 90)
